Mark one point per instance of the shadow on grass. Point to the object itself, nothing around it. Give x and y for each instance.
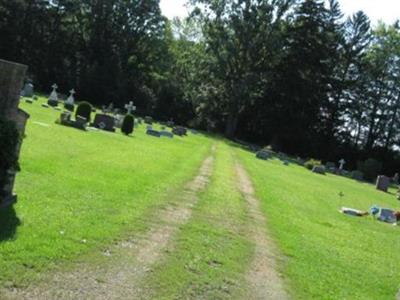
(9, 222)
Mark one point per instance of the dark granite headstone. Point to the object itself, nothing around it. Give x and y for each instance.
(167, 134)
(153, 132)
(179, 130)
(382, 183)
(104, 122)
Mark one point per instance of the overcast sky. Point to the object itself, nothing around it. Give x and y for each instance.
(386, 10)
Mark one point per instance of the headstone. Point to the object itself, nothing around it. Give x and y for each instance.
(170, 124)
(341, 164)
(395, 178)
(53, 99)
(167, 134)
(69, 103)
(104, 122)
(118, 120)
(11, 80)
(263, 154)
(148, 120)
(319, 170)
(357, 175)
(149, 127)
(382, 183)
(27, 90)
(179, 131)
(153, 132)
(130, 107)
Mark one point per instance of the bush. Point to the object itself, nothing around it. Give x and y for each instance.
(311, 163)
(9, 138)
(371, 168)
(84, 110)
(127, 124)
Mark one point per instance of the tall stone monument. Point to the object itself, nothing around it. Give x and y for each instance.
(11, 81)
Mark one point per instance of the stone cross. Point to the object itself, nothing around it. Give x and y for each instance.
(71, 99)
(341, 162)
(54, 95)
(130, 107)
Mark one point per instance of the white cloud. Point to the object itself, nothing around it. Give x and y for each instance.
(386, 10)
(173, 8)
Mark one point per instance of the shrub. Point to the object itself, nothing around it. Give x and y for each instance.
(127, 124)
(9, 138)
(371, 168)
(84, 110)
(311, 163)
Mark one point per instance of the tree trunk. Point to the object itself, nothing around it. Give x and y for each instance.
(231, 125)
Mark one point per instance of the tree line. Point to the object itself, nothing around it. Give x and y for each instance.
(293, 74)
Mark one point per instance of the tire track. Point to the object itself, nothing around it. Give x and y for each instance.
(263, 278)
(128, 262)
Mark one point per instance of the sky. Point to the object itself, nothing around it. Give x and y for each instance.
(386, 10)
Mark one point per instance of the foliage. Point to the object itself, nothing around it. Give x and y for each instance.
(128, 124)
(371, 168)
(311, 163)
(9, 138)
(84, 110)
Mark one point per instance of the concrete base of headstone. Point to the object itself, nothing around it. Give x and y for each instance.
(53, 103)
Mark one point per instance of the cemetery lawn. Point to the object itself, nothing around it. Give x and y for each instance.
(80, 191)
(327, 255)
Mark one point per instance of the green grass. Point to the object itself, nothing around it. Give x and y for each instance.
(211, 252)
(329, 255)
(79, 191)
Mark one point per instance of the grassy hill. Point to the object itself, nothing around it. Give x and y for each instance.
(82, 191)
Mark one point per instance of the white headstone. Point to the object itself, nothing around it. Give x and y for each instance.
(130, 107)
(71, 99)
(54, 95)
(341, 163)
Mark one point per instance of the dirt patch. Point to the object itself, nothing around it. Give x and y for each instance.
(120, 270)
(263, 278)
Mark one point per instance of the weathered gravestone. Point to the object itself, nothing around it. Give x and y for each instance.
(27, 91)
(104, 122)
(319, 170)
(69, 104)
(164, 133)
(382, 183)
(79, 123)
(148, 120)
(153, 132)
(263, 154)
(11, 80)
(179, 130)
(53, 98)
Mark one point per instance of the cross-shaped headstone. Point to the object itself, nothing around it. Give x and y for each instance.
(53, 95)
(341, 162)
(71, 99)
(130, 107)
